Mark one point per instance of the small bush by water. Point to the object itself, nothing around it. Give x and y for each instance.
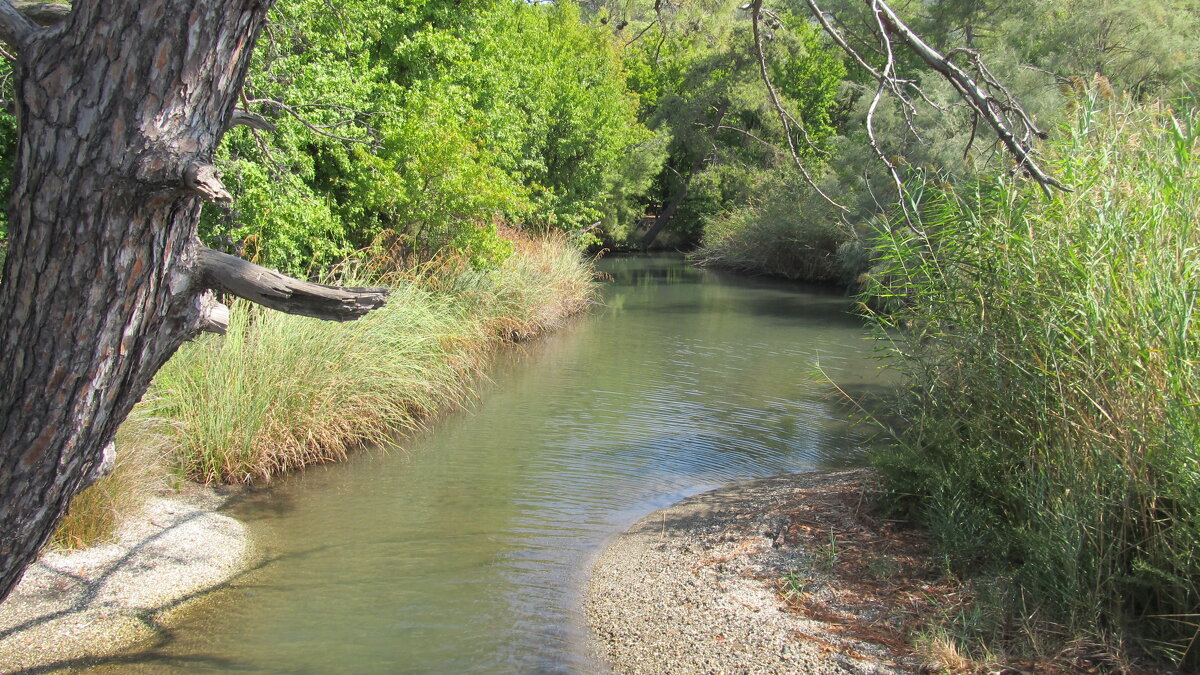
(1052, 350)
(278, 392)
(792, 233)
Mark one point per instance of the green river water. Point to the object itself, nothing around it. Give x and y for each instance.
(466, 549)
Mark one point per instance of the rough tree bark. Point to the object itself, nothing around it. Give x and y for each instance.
(121, 104)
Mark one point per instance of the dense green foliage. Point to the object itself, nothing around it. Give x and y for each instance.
(431, 122)
(697, 71)
(428, 125)
(1051, 347)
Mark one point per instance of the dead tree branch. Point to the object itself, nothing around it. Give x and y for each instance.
(43, 13)
(991, 100)
(785, 118)
(205, 180)
(249, 119)
(319, 129)
(269, 288)
(983, 94)
(15, 28)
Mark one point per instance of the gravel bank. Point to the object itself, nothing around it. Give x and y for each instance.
(693, 589)
(75, 606)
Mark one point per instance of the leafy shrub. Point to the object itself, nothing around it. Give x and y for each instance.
(789, 231)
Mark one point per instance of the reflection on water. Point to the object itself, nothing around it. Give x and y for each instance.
(464, 551)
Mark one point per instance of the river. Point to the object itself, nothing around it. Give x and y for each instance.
(464, 550)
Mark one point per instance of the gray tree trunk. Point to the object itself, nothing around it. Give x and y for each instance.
(121, 104)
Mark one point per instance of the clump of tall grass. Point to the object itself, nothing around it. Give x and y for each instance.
(1052, 349)
(532, 291)
(278, 392)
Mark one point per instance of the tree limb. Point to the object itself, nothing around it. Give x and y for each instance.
(319, 129)
(249, 119)
(271, 289)
(214, 316)
(887, 79)
(984, 103)
(43, 13)
(15, 28)
(204, 179)
(836, 36)
(785, 118)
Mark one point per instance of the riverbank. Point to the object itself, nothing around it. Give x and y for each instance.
(75, 606)
(799, 574)
(276, 393)
(279, 392)
(777, 575)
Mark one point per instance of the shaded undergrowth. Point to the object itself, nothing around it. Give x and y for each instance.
(790, 233)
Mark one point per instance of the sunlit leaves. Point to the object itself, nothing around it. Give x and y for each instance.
(431, 122)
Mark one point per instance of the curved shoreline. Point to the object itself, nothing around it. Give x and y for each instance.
(694, 588)
(76, 606)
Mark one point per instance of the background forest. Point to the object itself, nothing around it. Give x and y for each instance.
(1047, 434)
(433, 122)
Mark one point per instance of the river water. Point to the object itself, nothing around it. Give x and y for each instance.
(465, 550)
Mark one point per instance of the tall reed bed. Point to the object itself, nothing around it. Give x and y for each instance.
(533, 291)
(278, 392)
(1052, 349)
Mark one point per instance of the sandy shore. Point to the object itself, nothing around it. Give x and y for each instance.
(75, 606)
(695, 588)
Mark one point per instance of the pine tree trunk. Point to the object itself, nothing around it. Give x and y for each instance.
(121, 106)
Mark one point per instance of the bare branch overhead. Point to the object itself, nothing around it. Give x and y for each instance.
(249, 119)
(319, 129)
(991, 104)
(785, 118)
(269, 288)
(983, 94)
